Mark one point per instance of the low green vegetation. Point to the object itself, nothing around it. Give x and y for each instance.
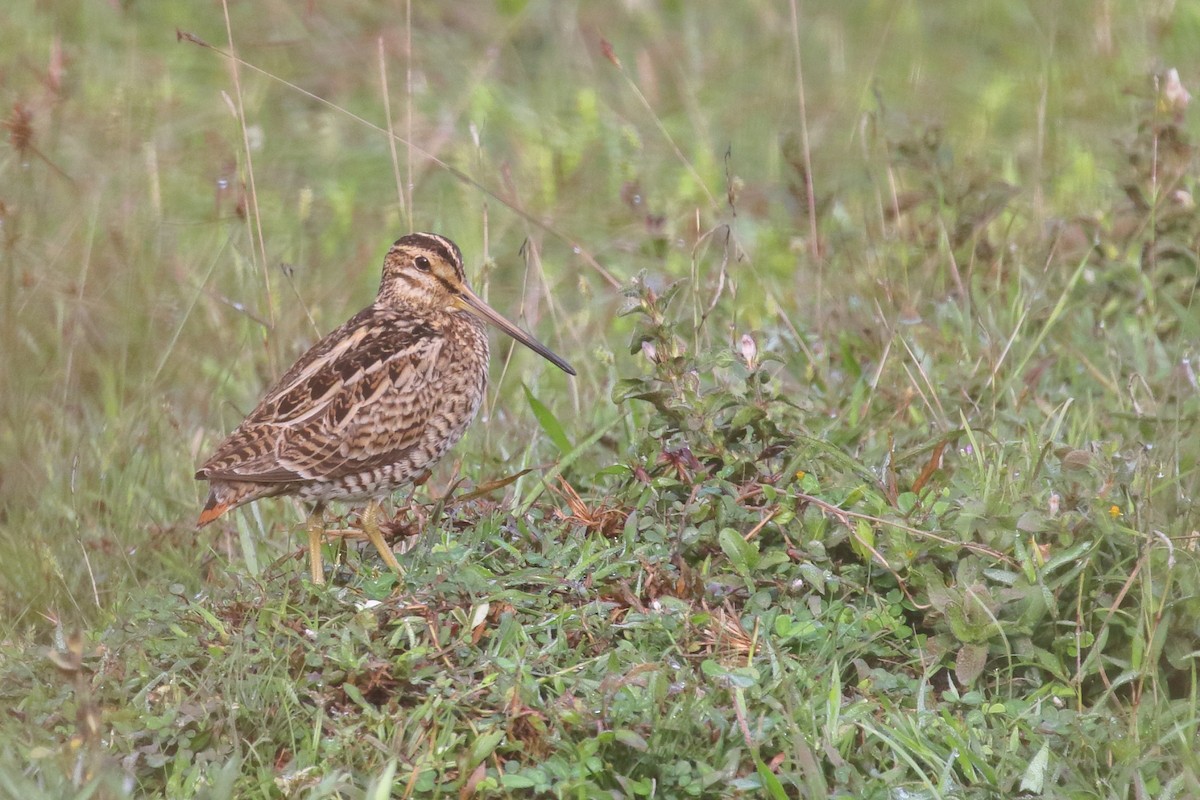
(878, 478)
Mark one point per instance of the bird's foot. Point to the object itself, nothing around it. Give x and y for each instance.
(370, 525)
(316, 532)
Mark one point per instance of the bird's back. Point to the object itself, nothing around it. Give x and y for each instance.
(366, 410)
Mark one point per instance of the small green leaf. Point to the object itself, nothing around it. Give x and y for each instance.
(354, 694)
(1035, 774)
(906, 502)
(742, 554)
(773, 558)
(631, 739)
(814, 576)
(549, 422)
(745, 416)
(739, 678)
(212, 620)
(1032, 521)
(479, 615)
(970, 663)
(1071, 556)
(863, 542)
(485, 744)
(769, 780)
(626, 388)
(517, 780)
(668, 293)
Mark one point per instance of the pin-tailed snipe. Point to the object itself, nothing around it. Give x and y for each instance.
(373, 405)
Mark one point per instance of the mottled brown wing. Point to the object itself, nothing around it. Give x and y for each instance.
(358, 399)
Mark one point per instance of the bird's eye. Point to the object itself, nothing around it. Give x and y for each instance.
(422, 263)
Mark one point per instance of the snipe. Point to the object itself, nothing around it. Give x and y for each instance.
(372, 406)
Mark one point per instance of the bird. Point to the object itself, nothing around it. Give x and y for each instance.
(372, 406)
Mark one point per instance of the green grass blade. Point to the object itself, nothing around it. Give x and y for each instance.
(548, 421)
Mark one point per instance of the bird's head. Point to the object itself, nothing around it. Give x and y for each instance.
(424, 270)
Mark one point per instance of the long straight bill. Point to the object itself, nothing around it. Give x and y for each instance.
(471, 301)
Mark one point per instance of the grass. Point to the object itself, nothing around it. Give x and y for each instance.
(902, 509)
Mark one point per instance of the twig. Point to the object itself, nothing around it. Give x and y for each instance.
(814, 248)
(391, 137)
(253, 208)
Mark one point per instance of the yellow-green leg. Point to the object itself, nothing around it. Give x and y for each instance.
(316, 532)
(370, 526)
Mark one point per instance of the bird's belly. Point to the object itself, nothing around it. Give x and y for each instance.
(441, 433)
(377, 482)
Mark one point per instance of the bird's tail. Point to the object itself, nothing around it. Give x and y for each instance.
(224, 496)
(212, 509)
